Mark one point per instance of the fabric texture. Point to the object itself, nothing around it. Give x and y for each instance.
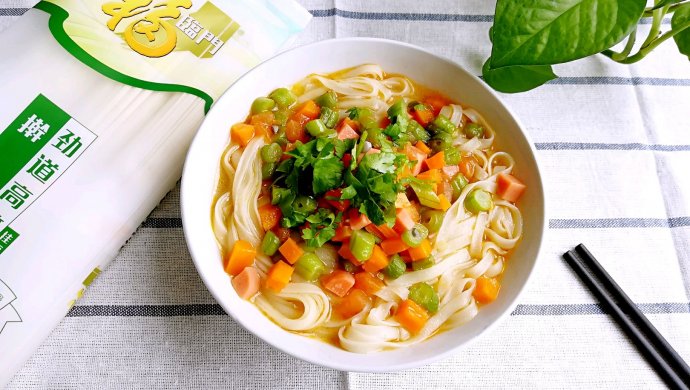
(614, 145)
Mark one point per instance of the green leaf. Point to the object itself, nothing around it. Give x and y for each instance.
(516, 78)
(544, 32)
(328, 174)
(664, 3)
(680, 17)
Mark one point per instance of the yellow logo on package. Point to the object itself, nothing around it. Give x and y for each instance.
(156, 29)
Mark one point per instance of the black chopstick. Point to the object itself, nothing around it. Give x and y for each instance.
(646, 348)
(664, 348)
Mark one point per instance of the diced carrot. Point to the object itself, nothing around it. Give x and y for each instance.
(422, 146)
(377, 261)
(338, 282)
(347, 132)
(309, 109)
(371, 228)
(433, 175)
(282, 233)
(384, 122)
(509, 187)
(358, 220)
(421, 252)
(368, 283)
(467, 165)
(444, 188)
(242, 133)
(486, 290)
(449, 171)
(423, 116)
(444, 204)
(279, 276)
(342, 233)
(437, 102)
(437, 161)
(346, 253)
(291, 251)
(263, 123)
(392, 246)
(340, 205)
(403, 220)
(270, 216)
(352, 304)
(300, 118)
(241, 256)
(247, 282)
(417, 155)
(294, 131)
(411, 316)
(387, 231)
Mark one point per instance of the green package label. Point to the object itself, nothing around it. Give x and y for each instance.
(38, 146)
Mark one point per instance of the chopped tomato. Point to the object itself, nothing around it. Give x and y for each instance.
(341, 205)
(437, 102)
(342, 233)
(358, 220)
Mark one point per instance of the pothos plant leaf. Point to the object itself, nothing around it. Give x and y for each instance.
(545, 32)
(516, 78)
(681, 17)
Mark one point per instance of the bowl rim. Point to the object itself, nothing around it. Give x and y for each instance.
(340, 366)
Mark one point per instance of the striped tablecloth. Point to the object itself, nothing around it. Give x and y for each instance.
(614, 144)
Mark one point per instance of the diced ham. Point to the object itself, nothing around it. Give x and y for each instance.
(508, 187)
(450, 171)
(347, 132)
(247, 282)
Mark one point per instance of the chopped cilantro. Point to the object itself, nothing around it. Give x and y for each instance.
(322, 225)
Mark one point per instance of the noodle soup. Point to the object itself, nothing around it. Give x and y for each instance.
(365, 210)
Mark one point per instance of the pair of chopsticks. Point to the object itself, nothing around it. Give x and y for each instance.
(656, 350)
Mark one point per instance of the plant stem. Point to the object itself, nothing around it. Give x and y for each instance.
(628, 47)
(645, 50)
(656, 25)
(649, 12)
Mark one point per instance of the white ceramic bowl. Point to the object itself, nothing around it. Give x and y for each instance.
(202, 168)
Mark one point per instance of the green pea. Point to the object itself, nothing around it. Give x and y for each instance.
(271, 153)
(270, 243)
(316, 128)
(423, 264)
(474, 130)
(328, 99)
(262, 104)
(362, 245)
(310, 267)
(329, 117)
(457, 184)
(283, 97)
(267, 170)
(478, 201)
(452, 156)
(415, 236)
(304, 204)
(395, 268)
(425, 296)
(433, 219)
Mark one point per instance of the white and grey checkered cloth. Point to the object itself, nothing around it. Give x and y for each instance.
(614, 143)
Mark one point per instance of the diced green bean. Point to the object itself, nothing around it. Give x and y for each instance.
(304, 204)
(262, 104)
(441, 141)
(425, 296)
(278, 194)
(374, 135)
(478, 201)
(316, 128)
(362, 245)
(281, 117)
(271, 153)
(426, 195)
(419, 133)
(329, 117)
(395, 268)
(433, 219)
(423, 264)
(474, 130)
(328, 99)
(415, 236)
(267, 170)
(280, 137)
(444, 125)
(270, 243)
(452, 155)
(457, 184)
(348, 266)
(310, 267)
(398, 108)
(283, 97)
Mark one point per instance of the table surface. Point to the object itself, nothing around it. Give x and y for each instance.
(614, 145)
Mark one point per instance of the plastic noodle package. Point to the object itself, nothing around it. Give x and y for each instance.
(101, 99)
